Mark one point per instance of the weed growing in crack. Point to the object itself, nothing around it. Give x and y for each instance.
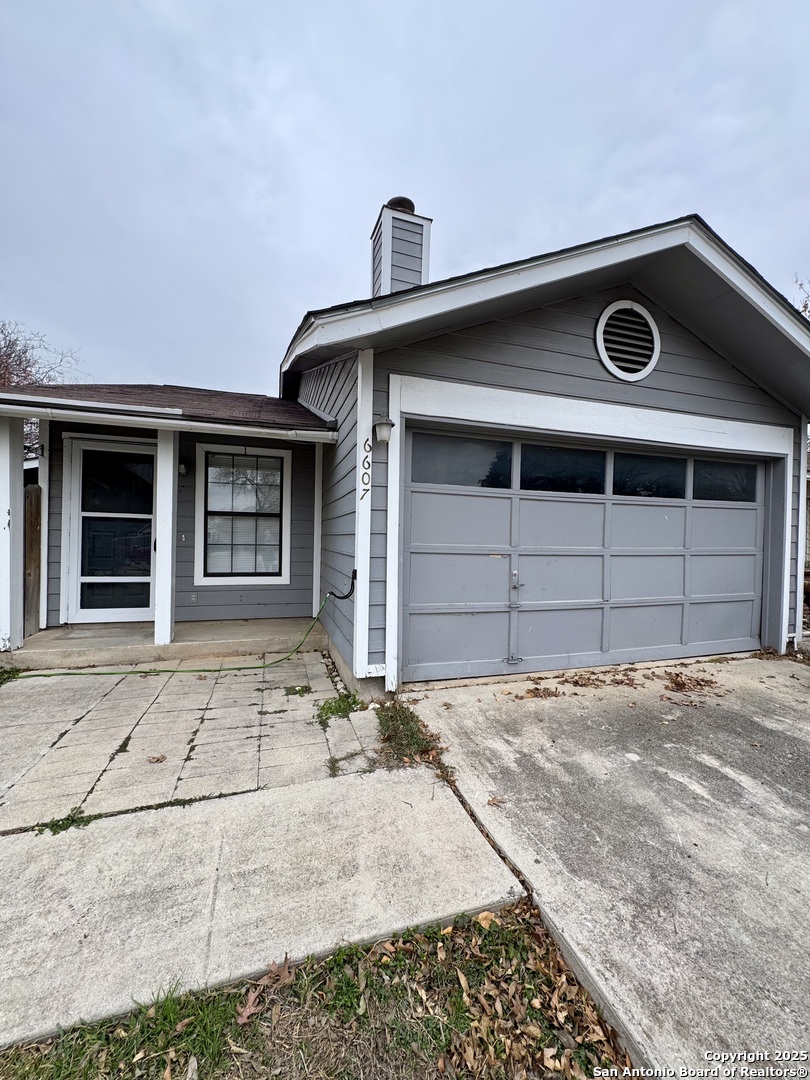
(338, 707)
(8, 674)
(333, 764)
(74, 819)
(407, 740)
(297, 691)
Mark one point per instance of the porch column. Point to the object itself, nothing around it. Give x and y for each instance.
(12, 571)
(165, 538)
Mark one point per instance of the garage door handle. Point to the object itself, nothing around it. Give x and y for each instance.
(515, 583)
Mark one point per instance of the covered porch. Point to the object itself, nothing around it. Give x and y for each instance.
(175, 522)
(103, 644)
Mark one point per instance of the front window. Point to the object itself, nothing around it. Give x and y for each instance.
(243, 515)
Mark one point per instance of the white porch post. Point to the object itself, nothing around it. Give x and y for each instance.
(11, 533)
(165, 538)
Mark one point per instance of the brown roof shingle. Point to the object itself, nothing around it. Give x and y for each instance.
(194, 403)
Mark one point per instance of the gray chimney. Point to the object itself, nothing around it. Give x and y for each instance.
(400, 248)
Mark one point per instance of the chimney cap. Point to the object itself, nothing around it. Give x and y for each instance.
(401, 203)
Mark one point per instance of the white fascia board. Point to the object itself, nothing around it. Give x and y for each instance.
(343, 326)
(164, 423)
(740, 280)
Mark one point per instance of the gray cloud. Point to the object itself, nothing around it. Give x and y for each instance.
(184, 178)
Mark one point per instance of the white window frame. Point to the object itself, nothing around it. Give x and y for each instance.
(200, 577)
(71, 610)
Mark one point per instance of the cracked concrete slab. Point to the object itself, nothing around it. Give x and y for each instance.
(99, 731)
(218, 890)
(665, 835)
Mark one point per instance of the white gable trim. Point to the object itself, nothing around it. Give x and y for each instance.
(402, 311)
(419, 398)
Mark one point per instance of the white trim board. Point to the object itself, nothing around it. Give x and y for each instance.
(517, 411)
(317, 530)
(801, 538)
(44, 478)
(200, 579)
(362, 510)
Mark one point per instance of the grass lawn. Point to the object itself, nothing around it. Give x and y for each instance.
(485, 997)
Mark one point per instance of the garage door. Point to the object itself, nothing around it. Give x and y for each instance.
(524, 556)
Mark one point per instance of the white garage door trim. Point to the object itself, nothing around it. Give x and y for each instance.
(418, 398)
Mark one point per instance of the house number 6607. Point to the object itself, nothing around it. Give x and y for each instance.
(365, 475)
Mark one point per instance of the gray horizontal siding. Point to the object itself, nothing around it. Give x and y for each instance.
(551, 350)
(223, 601)
(333, 390)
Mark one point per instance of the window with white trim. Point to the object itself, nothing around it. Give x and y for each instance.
(243, 507)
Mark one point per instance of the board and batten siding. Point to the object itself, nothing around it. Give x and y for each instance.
(224, 601)
(551, 350)
(332, 390)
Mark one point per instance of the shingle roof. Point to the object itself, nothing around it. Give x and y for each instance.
(194, 403)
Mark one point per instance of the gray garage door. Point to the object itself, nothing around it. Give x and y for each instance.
(529, 556)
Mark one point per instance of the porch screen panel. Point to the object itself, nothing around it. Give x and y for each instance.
(243, 515)
(115, 541)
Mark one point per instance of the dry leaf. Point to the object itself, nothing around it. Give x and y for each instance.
(184, 1024)
(496, 801)
(156, 759)
(485, 918)
(279, 974)
(167, 1075)
(192, 1072)
(249, 1008)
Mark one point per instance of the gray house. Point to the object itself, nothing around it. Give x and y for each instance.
(592, 456)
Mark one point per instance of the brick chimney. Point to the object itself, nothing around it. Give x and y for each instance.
(400, 248)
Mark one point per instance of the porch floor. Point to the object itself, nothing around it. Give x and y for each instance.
(98, 644)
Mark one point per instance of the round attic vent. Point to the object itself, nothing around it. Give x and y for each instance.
(627, 340)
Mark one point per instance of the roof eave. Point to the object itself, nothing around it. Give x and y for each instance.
(157, 420)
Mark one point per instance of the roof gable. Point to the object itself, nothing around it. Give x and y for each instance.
(682, 265)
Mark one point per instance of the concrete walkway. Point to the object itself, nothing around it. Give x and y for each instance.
(106, 743)
(96, 918)
(661, 814)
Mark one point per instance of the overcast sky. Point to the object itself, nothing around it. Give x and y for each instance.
(183, 179)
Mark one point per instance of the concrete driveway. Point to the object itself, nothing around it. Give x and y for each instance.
(661, 814)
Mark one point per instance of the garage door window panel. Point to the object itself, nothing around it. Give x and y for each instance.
(725, 481)
(451, 459)
(556, 468)
(649, 477)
